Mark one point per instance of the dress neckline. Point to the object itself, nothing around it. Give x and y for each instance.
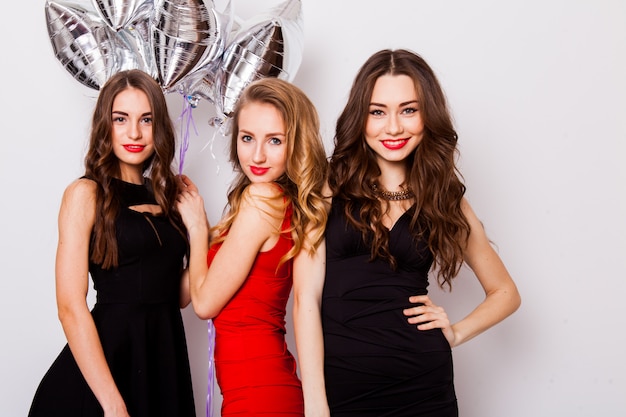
(393, 226)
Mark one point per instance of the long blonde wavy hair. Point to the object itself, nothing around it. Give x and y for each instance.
(306, 168)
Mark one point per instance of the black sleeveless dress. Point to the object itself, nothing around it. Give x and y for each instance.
(139, 322)
(376, 363)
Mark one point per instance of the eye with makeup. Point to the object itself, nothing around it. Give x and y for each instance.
(376, 112)
(275, 141)
(410, 109)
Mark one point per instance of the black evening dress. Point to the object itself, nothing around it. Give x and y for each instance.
(138, 318)
(376, 363)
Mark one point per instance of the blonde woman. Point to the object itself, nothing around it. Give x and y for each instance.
(267, 240)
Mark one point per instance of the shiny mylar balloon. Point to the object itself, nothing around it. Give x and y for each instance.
(81, 42)
(180, 43)
(185, 36)
(133, 49)
(119, 13)
(264, 47)
(201, 82)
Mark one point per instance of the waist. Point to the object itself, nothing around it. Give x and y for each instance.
(135, 299)
(137, 291)
(249, 346)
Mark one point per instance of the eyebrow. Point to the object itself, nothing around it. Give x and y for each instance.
(406, 103)
(267, 135)
(123, 113)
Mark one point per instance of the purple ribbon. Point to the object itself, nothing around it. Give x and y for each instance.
(186, 120)
(211, 376)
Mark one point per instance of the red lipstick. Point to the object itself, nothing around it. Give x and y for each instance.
(258, 170)
(394, 144)
(134, 148)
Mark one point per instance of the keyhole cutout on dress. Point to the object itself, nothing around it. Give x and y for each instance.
(153, 209)
(149, 210)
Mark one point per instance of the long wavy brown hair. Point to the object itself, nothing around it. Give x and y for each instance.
(101, 164)
(306, 168)
(431, 169)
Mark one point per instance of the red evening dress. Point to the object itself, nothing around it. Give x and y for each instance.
(254, 369)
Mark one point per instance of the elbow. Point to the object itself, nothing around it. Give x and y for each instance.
(517, 300)
(63, 314)
(205, 311)
(507, 299)
(68, 314)
(514, 300)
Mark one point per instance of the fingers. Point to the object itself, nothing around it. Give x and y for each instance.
(426, 315)
(420, 301)
(187, 184)
(423, 299)
(188, 193)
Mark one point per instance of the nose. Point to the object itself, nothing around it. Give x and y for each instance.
(259, 153)
(394, 125)
(134, 131)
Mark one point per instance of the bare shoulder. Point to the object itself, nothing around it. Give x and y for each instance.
(478, 240)
(81, 189)
(469, 214)
(263, 190)
(263, 193)
(267, 199)
(79, 199)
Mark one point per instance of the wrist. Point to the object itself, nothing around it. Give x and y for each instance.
(198, 229)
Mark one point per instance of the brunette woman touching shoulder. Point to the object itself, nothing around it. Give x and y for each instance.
(119, 224)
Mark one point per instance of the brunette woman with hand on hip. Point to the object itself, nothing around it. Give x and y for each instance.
(398, 211)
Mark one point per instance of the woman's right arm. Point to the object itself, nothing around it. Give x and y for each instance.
(256, 227)
(76, 220)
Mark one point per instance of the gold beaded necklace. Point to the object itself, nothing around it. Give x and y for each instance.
(403, 194)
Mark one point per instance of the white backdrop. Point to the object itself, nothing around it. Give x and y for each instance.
(538, 92)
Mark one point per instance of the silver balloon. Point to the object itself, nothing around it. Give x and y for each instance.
(201, 82)
(133, 49)
(81, 42)
(119, 13)
(185, 36)
(267, 46)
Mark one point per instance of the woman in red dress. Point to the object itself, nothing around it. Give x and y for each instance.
(267, 240)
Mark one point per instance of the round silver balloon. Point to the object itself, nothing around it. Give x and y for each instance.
(185, 36)
(81, 42)
(119, 13)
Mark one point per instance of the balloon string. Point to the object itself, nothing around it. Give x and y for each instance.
(186, 120)
(211, 372)
(210, 144)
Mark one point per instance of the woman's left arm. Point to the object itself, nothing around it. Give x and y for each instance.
(501, 295)
(308, 282)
